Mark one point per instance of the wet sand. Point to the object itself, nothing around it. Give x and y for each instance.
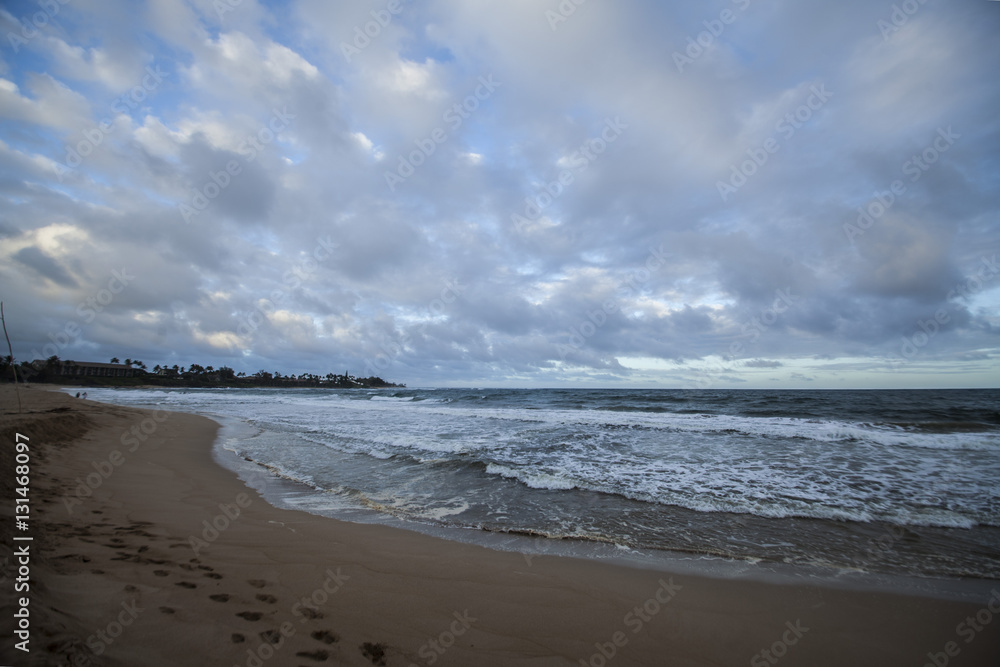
(146, 552)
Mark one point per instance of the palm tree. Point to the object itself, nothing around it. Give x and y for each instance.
(114, 360)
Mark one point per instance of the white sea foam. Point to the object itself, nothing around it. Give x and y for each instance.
(534, 480)
(767, 466)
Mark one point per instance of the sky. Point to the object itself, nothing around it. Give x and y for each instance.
(507, 193)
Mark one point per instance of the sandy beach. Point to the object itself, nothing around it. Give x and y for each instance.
(146, 552)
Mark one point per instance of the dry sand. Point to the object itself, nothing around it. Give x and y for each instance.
(116, 580)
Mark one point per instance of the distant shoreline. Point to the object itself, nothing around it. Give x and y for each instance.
(169, 383)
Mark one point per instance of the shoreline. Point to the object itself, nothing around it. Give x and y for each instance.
(889, 562)
(220, 573)
(280, 491)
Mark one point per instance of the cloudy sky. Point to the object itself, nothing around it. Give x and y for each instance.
(507, 192)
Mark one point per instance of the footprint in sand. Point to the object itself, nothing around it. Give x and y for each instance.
(264, 597)
(213, 575)
(318, 656)
(161, 573)
(250, 615)
(374, 652)
(125, 556)
(238, 638)
(271, 636)
(220, 597)
(186, 584)
(325, 636)
(82, 559)
(205, 567)
(309, 613)
(257, 583)
(97, 571)
(166, 610)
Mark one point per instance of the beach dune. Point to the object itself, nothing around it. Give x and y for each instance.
(146, 552)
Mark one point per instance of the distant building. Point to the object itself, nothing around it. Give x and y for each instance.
(88, 369)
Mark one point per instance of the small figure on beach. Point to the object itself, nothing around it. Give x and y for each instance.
(78, 394)
(84, 395)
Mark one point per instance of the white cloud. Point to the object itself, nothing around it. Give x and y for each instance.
(94, 64)
(52, 104)
(309, 233)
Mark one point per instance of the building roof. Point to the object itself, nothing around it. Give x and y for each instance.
(85, 364)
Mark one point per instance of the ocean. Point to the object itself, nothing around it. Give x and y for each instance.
(891, 481)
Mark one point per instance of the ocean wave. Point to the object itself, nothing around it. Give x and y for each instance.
(408, 453)
(821, 430)
(534, 479)
(778, 502)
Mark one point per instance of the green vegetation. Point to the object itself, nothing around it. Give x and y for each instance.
(54, 370)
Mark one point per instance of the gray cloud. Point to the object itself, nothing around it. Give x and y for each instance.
(45, 266)
(634, 269)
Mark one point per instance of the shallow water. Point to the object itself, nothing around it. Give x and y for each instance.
(903, 482)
